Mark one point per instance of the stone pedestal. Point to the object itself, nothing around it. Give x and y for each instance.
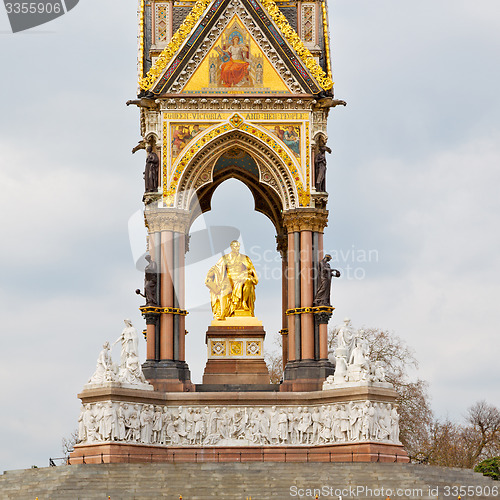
(235, 351)
(306, 375)
(168, 375)
(354, 423)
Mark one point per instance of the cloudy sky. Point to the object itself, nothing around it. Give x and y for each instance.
(414, 204)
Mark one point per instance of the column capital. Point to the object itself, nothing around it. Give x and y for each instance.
(305, 219)
(167, 219)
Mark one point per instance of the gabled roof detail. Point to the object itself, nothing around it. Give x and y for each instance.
(204, 74)
(326, 38)
(294, 40)
(269, 6)
(173, 46)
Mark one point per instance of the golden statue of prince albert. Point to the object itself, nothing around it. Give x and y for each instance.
(232, 285)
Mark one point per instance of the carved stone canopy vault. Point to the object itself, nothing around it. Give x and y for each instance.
(272, 185)
(266, 199)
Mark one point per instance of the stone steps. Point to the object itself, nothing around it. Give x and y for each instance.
(236, 481)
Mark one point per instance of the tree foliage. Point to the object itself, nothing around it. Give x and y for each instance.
(489, 467)
(413, 400)
(68, 443)
(425, 438)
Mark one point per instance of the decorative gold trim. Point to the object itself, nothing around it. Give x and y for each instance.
(327, 40)
(284, 331)
(235, 348)
(258, 351)
(308, 310)
(221, 344)
(173, 46)
(236, 120)
(297, 45)
(305, 197)
(140, 56)
(163, 310)
(169, 189)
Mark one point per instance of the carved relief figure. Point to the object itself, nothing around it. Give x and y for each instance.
(104, 371)
(332, 423)
(232, 285)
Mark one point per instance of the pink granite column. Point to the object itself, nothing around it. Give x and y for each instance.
(284, 302)
(181, 295)
(151, 329)
(323, 341)
(306, 294)
(290, 279)
(167, 296)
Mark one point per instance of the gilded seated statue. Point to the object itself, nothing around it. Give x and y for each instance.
(232, 285)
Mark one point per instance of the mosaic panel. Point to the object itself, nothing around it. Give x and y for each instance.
(289, 134)
(161, 22)
(308, 23)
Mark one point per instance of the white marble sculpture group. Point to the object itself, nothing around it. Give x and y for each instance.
(352, 364)
(148, 424)
(238, 426)
(129, 372)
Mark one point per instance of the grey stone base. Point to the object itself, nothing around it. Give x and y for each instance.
(166, 369)
(237, 387)
(308, 369)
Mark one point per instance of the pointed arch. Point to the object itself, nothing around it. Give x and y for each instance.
(274, 190)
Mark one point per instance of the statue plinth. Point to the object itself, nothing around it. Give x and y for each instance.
(235, 351)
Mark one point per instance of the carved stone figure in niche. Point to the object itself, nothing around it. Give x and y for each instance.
(322, 297)
(232, 285)
(104, 371)
(320, 166)
(150, 281)
(151, 172)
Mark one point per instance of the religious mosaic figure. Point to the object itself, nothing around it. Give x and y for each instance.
(232, 285)
(278, 131)
(181, 135)
(322, 297)
(234, 70)
(150, 281)
(291, 139)
(151, 171)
